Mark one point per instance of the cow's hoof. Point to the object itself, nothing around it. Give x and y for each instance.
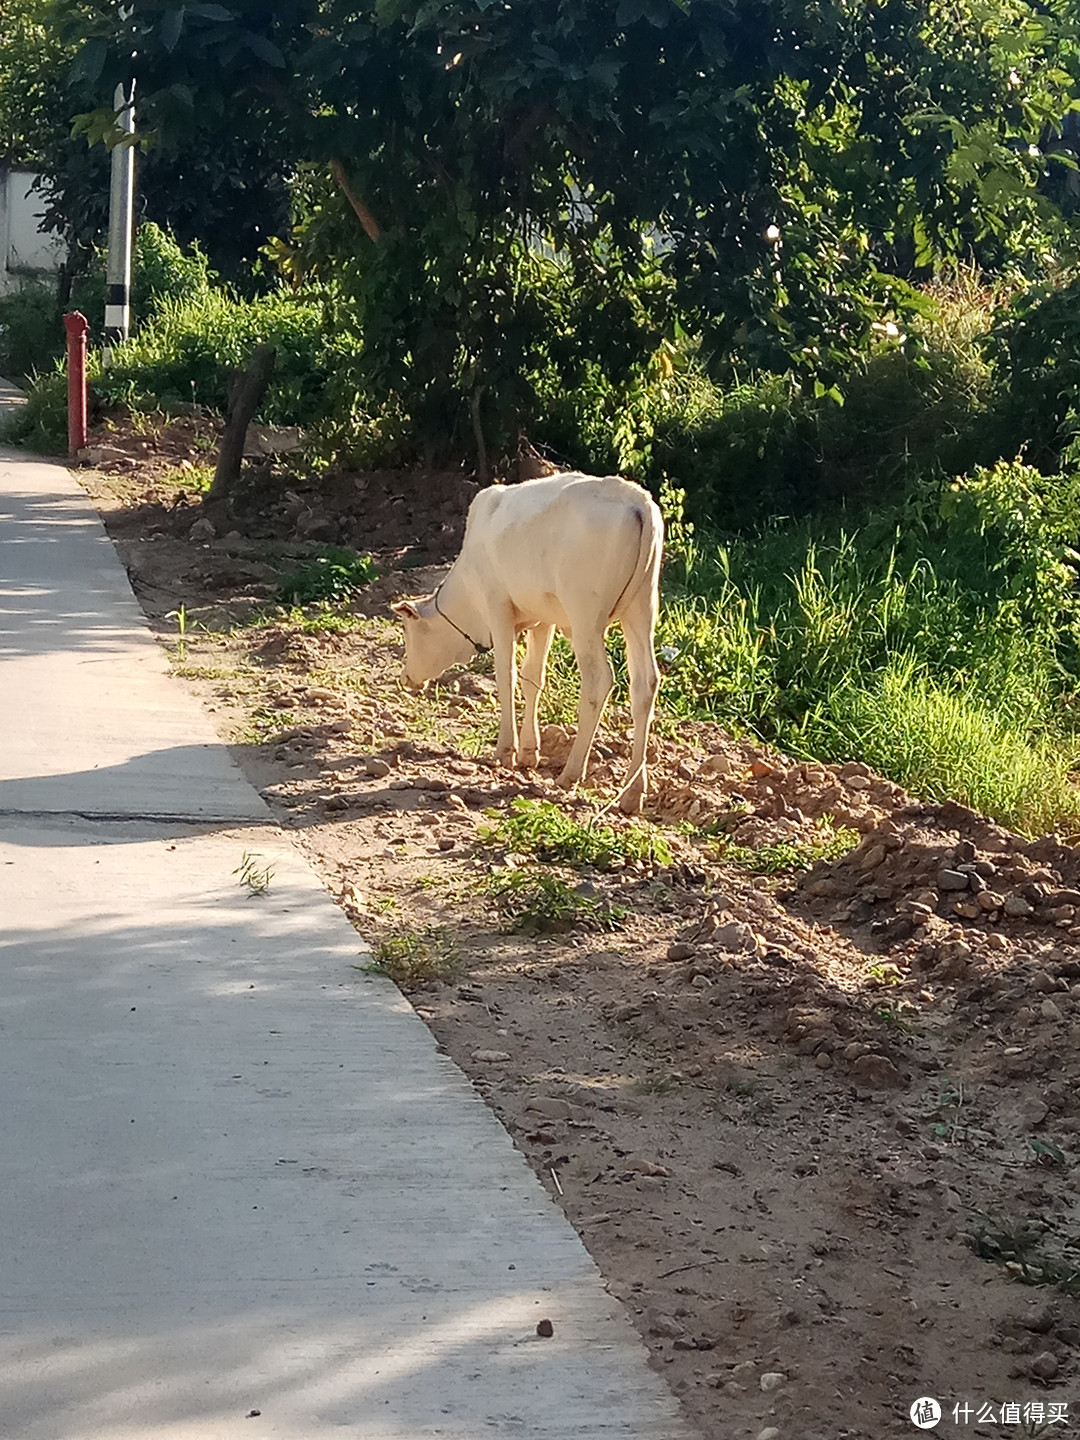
(630, 801)
(566, 782)
(528, 759)
(506, 758)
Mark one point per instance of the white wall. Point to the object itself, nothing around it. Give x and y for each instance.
(24, 250)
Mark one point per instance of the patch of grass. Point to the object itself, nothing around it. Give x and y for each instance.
(540, 828)
(534, 901)
(415, 957)
(789, 856)
(332, 574)
(957, 742)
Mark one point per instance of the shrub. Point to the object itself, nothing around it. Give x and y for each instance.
(31, 331)
(161, 269)
(187, 351)
(1035, 348)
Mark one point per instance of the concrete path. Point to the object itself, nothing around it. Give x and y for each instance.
(242, 1194)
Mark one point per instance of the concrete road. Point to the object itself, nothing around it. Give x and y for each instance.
(242, 1194)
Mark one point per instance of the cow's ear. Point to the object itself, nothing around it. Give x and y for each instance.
(406, 609)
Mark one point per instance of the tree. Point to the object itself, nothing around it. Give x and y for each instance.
(749, 172)
(229, 192)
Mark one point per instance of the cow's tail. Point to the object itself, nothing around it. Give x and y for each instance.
(647, 565)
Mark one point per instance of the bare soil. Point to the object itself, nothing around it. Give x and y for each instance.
(818, 1127)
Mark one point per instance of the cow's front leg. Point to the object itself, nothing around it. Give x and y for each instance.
(533, 672)
(503, 638)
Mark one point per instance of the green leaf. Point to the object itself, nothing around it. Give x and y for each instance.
(266, 50)
(171, 27)
(90, 61)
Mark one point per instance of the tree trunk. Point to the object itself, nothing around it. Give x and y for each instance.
(243, 402)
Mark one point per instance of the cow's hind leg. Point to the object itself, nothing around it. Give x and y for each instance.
(597, 681)
(533, 672)
(638, 625)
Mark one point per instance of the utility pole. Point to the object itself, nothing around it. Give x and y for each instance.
(121, 203)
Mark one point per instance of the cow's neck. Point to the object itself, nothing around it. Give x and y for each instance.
(455, 601)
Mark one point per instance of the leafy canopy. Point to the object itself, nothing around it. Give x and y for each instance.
(545, 186)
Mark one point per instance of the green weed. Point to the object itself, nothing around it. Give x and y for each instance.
(196, 478)
(540, 828)
(255, 876)
(789, 856)
(1020, 1248)
(332, 574)
(533, 901)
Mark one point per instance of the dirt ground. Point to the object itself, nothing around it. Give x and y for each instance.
(817, 1126)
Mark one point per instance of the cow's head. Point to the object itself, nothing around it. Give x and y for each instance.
(432, 644)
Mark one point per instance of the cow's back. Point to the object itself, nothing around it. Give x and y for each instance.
(558, 547)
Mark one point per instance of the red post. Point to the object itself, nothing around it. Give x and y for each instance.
(76, 326)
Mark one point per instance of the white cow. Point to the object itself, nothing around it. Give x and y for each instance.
(570, 552)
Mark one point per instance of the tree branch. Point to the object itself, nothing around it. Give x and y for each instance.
(363, 214)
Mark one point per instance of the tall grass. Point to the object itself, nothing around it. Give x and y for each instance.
(937, 642)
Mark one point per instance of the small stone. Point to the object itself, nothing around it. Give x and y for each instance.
(681, 950)
(545, 1329)
(997, 941)
(1050, 1011)
(967, 909)
(490, 1057)
(648, 1167)
(855, 767)
(1045, 1366)
(321, 695)
(823, 1060)
(446, 842)
(857, 782)
(1018, 907)
(376, 768)
(876, 1072)
(761, 769)
(769, 1433)
(664, 1327)
(952, 880)
(717, 765)
(772, 1380)
(552, 1108)
(1034, 1111)
(990, 900)
(1043, 983)
(202, 532)
(873, 858)
(735, 936)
